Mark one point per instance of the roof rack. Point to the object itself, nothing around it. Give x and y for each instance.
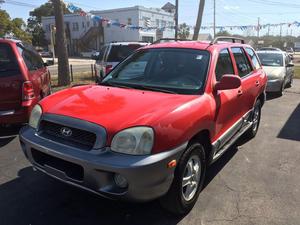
(233, 39)
(169, 39)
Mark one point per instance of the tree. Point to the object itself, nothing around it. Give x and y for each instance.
(184, 31)
(223, 33)
(62, 53)
(15, 27)
(35, 22)
(4, 23)
(199, 19)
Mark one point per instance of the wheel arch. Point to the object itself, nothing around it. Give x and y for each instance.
(204, 138)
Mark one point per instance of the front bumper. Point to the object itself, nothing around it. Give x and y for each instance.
(148, 177)
(274, 85)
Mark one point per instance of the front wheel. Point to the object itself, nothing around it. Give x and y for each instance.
(188, 181)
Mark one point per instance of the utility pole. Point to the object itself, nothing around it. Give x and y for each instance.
(176, 19)
(199, 19)
(269, 30)
(61, 44)
(258, 27)
(280, 31)
(214, 18)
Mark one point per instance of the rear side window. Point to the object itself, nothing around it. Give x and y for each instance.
(224, 64)
(31, 58)
(119, 52)
(8, 62)
(254, 58)
(102, 53)
(242, 63)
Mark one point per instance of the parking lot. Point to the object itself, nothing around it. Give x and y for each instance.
(256, 182)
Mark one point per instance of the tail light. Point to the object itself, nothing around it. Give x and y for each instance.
(108, 68)
(28, 91)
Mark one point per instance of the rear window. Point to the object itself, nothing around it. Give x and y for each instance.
(119, 52)
(31, 58)
(8, 62)
(271, 59)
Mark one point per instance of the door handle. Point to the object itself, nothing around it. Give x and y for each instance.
(240, 92)
(257, 83)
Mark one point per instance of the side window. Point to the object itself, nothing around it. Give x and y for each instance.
(32, 60)
(224, 64)
(254, 58)
(242, 63)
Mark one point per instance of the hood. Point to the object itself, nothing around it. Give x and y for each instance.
(114, 108)
(274, 72)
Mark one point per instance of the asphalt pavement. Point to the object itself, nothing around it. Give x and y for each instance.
(255, 182)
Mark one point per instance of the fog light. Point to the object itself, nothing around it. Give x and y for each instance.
(120, 181)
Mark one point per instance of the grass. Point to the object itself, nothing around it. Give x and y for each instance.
(79, 78)
(297, 72)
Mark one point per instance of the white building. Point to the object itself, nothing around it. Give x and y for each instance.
(138, 16)
(85, 34)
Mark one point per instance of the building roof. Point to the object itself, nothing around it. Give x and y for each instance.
(169, 7)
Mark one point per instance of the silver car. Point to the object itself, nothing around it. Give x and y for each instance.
(279, 69)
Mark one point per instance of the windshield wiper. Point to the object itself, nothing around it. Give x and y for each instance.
(113, 84)
(157, 89)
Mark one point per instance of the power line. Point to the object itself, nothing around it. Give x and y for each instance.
(20, 4)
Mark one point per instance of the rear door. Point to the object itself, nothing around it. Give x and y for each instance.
(228, 102)
(289, 69)
(10, 80)
(246, 93)
(37, 73)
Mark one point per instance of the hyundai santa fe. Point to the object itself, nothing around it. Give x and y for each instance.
(151, 128)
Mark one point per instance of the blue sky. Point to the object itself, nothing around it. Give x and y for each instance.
(228, 12)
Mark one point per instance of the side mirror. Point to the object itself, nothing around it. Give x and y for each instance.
(228, 82)
(290, 65)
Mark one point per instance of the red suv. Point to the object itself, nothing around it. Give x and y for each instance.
(153, 125)
(24, 80)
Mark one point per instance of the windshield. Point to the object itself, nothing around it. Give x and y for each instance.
(8, 61)
(180, 71)
(270, 59)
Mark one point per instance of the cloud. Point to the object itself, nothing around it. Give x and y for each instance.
(230, 7)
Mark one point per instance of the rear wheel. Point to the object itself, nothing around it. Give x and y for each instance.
(289, 84)
(188, 181)
(255, 119)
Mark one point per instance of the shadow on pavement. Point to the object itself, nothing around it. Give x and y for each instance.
(291, 129)
(7, 134)
(34, 198)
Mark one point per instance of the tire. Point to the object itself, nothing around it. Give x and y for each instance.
(255, 119)
(289, 84)
(280, 92)
(177, 200)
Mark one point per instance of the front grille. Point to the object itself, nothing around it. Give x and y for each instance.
(79, 138)
(72, 170)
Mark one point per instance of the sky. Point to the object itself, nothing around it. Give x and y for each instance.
(228, 12)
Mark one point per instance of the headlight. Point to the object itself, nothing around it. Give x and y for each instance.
(134, 141)
(35, 116)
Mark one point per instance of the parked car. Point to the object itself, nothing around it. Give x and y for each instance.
(279, 69)
(95, 55)
(46, 54)
(112, 54)
(269, 49)
(24, 80)
(154, 124)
